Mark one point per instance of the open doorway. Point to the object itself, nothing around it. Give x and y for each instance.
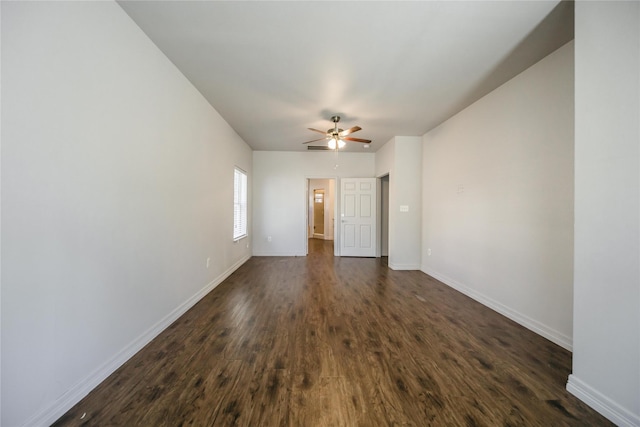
(317, 223)
(384, 216)
(321, 214)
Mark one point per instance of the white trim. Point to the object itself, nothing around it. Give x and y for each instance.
(608, 408)
(60, 406)
(551, 334)
(394, 266)
(289, 254)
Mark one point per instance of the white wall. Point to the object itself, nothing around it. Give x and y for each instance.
(385, 158)
(606, 357)
(385, 167)
(279, 194)
(498, 198)
(115, 177)
(405, 241)
(401, 160)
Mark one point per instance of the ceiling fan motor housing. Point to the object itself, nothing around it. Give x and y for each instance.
(334, 133)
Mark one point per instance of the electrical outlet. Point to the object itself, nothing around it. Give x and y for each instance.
(208, 262)
(429, 251)
(268, 238)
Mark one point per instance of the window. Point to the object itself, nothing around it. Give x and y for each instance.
(239, 204)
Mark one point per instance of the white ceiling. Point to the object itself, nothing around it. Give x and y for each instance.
(273, 69)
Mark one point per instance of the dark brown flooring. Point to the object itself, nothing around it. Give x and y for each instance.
(323, 341)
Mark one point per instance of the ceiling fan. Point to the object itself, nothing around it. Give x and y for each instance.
(337, 137)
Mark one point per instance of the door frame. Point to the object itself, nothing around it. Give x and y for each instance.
(337, 195)
(317, 213)
(384, 212)
(336, 210)
(374, 249)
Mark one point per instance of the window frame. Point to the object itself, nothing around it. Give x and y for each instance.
(240, 204)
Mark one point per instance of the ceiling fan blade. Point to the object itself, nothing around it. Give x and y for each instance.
(315, 140)
(350, 131)
(366, 141)
(316, 130)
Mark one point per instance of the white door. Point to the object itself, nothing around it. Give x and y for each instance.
(358, 217)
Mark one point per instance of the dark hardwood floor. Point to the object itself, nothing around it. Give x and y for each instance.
(324, 341)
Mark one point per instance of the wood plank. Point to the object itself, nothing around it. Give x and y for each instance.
(319, 341)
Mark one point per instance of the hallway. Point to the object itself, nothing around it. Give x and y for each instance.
(319, 247)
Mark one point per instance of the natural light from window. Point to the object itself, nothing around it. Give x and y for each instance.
(239, 204)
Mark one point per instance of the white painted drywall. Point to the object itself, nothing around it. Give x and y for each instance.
(279, 194)
(401, 160)
(498, 198)
(117, 185)
(385, 158)
(405, 242)
(385, 167)
(606, 336)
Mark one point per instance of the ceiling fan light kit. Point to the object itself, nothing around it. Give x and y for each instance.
(336, 143)
(337, 137)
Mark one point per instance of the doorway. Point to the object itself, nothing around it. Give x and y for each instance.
(384, 216)
(318, 214)
(321, 210)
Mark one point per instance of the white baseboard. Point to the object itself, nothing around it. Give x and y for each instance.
(395, 266)
(277, 254)
(605, 406)
(60, 406)
(551, 334)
